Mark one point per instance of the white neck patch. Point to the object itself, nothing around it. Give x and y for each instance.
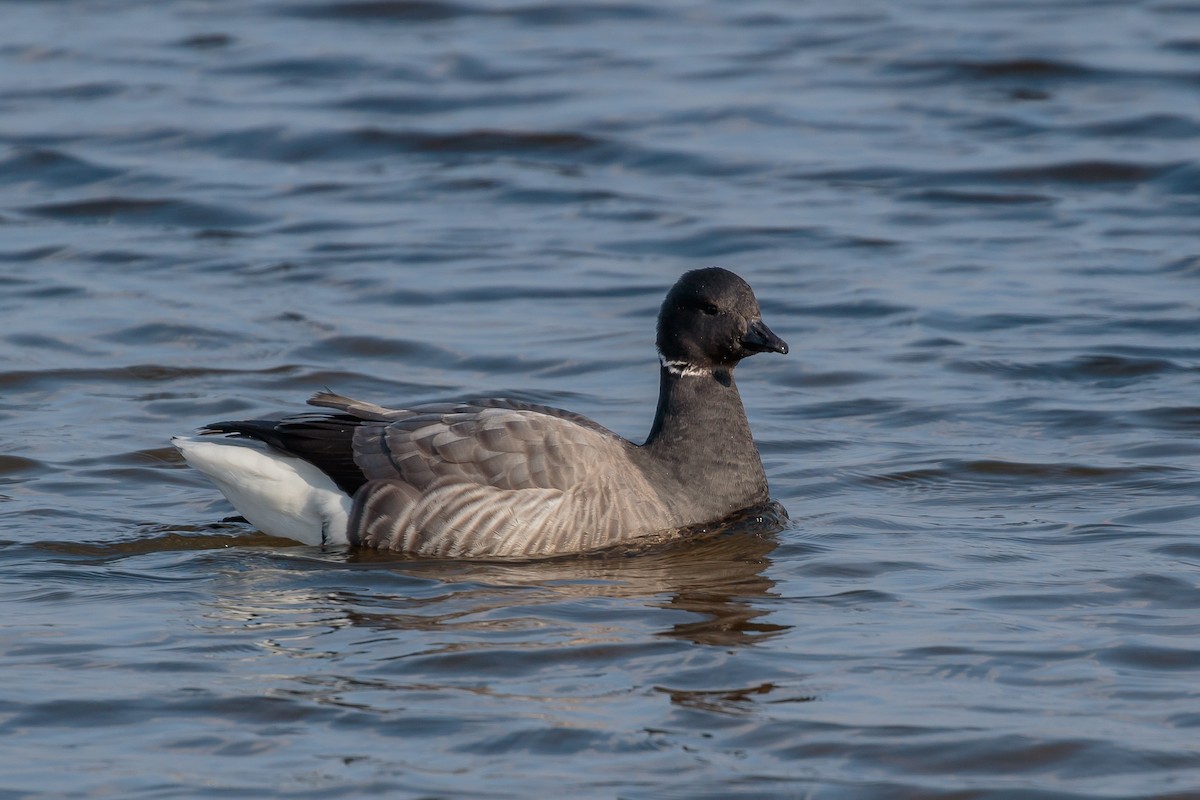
(684, 369)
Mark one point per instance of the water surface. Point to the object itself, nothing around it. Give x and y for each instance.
(975, 223)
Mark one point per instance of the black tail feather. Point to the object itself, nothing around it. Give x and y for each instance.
(325, 441)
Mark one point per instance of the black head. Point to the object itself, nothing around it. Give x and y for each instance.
(711, 320)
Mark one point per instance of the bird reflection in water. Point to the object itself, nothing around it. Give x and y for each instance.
(716, 575)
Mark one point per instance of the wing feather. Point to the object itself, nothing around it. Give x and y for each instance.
(492, 478)
(504, 448)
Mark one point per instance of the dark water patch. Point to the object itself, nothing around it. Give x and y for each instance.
(953, 197)
(15, 469)
(766, 115)
(520, 365)
(936, 343)
(119, 257)
(1182, 419)
(1000, 754)
(38, 341)
(433, 11)
(87, 91)
(174, 666)
(319, 188)
(1020, 474)
(1161, 450)
(776, 445)
(163, 455)
(207, 41)
(1188, 267)
(1004, 68)
(274, 144)
(583, 13)
(355, 384)
(556, 741)
(916, 416)
(557, 197)
(513, 662)
(301, 71)
(813, 380)
(147, 211)
(1184, 9)
(864, 407)
(1162, 515)
(733, 625)
(1023, 93)
(119, 711)
(1186, 551)
(28, 379)
(635, 216)
(150, 539)
(441, 102)
(1005, 127)
(1110, 369)
(1184, 720)
(730, 701)
(1041, 76)
(1068, 173)
(1149, 126)
(395, 11)
(96, 579)
(859, 570)
(52, 168)
(288, 271)
(570, 368)
(877, 524)
(547, 143)
(727, 241)
(1188, 46)
(570, 148)
(1020, 471)
(1074, 173)
(33, 254)
(1183, 180)
(60, 649)
(166, 333)
(336, 349)
(188, 409)
(851, 309)
(1150, 657)
(220, 234)
(470, 69)
(853, 598)
(147, 473)
(1073, 421)
(954, 322)
(1101, 532)
(313, 227)
(512, 293)
(43, 292)
(469, 185)
(1163, 591)
(1167, 326)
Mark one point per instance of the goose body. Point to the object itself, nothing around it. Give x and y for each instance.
(504, 478)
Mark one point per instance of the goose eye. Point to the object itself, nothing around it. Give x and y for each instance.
(709, 309)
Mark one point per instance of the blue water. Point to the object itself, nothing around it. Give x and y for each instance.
(976, 223)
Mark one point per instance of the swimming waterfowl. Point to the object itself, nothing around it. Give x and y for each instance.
(504, 478)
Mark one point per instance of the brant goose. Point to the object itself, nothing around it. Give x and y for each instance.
(504, 478)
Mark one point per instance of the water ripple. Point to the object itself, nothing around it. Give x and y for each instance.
(147, 211)
(976, 231)
(52, 168)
